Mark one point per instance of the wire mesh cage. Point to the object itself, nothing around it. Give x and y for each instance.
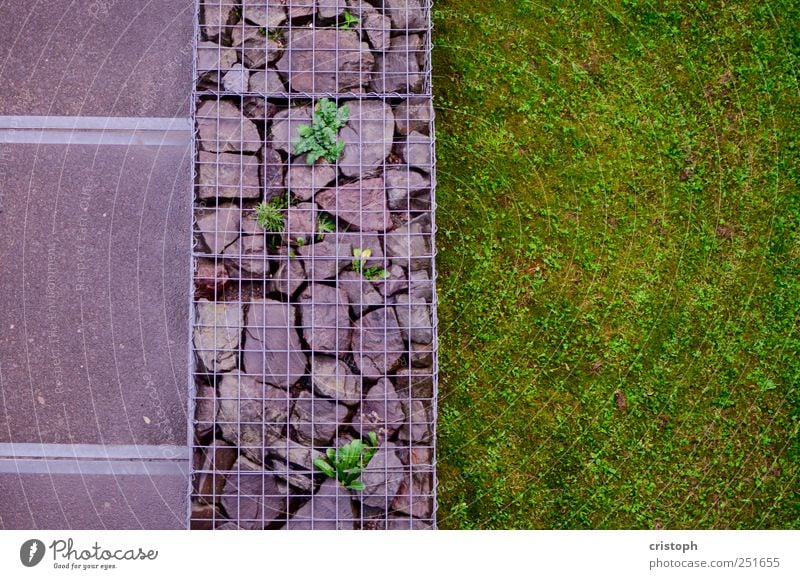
(314, 48)
(315, 312)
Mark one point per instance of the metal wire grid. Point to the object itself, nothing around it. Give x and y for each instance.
(283, 48)
(269, 480)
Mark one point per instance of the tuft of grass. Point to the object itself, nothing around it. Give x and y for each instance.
(270, 214)
(619, 221)
(325, 225)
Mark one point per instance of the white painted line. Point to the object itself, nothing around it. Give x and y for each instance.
(49, 130)
(92, 467)
(34, 450)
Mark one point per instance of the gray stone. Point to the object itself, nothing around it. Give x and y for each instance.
(285, 124)
(419, 427)
(380, 412)
(315, 420)
(251, 415)
(255, 55)
(377, 342)
(272, 346)
(272, 178)
(293, 462)
(330, 508)
(382, 477)
(251, 496)
(396, 282)
(210, 277)
(417, 152)
(421, 286)
(332, 378)
(404, 187)
(217, 15)
(421, 355)
(227, 175)
(325, 60)
(216, 335)
(368, 137)
(222, 128)
(375, 25)
(300, 8)
(250, 224)
(397, 69)
(205, 410)
(396, 523)
(405, 14)
(362, 205)
(325, 318)
(258, 108)
(257, 50)
(289, 276)
(331, 8)
(360, 8)
(415, 494)
(267, 14)
(300, 224)
(203, 516)
(418, 380)
(212, 57)
(305, 180)
(414, 317)
(418, 456)
(325, 259)
(414, 114)
(378, 29)
(217, 458)
(209, 81)
(410, 245)
(218, 227)
(248, 256)
(360, 292)
(228, 526)
(266, 82)
(237, 79)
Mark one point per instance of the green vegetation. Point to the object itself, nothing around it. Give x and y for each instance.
(350, 21)
(324, 225)
(320, 139)
(269, 214)
(619, 256)
(360, 257)
(347, 463)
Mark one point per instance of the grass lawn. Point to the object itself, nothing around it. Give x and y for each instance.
(619, 264)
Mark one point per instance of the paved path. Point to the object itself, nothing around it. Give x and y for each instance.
(95, 145)
(95, 220)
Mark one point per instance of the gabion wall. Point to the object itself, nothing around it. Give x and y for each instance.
(315, 324)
